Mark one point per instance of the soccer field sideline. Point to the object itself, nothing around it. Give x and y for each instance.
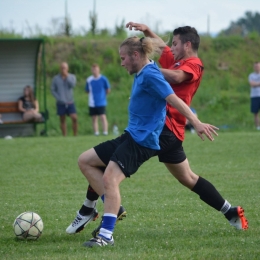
(165, 220)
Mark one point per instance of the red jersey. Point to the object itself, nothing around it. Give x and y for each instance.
(185, 90)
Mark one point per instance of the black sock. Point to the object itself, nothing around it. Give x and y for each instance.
(208, 194)
(91, 194)
(85, 210)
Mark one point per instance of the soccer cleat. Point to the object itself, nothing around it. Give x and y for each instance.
(81, 221)
(99, 241)
(238, 219)
(120, 216)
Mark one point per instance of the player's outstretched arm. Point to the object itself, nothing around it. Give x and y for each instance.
(201, 128)
(143, 28)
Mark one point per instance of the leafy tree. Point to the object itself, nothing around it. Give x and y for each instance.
(120, 29)
(93, 19)
(247, 24)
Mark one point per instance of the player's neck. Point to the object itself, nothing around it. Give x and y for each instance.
(143, 63)
(191, 54)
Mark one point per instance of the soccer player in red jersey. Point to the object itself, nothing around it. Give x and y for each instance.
(183, 69)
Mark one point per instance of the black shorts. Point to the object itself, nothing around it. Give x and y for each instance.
(97, 111)
(255, 105)
(171, 148)
(125, 152)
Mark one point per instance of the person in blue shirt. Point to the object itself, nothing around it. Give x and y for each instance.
(97, 87)
(140, 141)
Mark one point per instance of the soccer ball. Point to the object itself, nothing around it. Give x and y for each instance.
(28, 225)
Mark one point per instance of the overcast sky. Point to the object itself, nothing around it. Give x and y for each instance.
(162, 14)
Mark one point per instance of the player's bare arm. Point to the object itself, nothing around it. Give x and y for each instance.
(201, 128)
(143, 28)
(176, 76)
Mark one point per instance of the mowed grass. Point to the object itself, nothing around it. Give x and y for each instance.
(165, 220)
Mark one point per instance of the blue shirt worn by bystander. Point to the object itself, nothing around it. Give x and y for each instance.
(97, 89)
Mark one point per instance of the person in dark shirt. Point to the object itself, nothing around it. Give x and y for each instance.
(29, 106)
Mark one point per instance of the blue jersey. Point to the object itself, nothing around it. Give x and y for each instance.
(147, 108)
(97, 89)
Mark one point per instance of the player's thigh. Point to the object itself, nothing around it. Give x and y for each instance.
(113, 175)
(130, 156)
(91, 158)
(171, 148)
(183, 173)
(106, 149)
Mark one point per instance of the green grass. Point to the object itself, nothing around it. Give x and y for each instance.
(165, 220)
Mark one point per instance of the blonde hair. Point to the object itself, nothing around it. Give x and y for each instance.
(146, 46)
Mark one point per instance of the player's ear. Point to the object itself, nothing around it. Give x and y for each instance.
(188, 45)
(136, 54)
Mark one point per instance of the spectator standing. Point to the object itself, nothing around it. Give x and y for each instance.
(254, 81)
(97, 87)
(62, 89)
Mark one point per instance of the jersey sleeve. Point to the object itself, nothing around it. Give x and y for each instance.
(167, 59)
(192, 68)
(157, 86)
(107, 85)
(87, 87)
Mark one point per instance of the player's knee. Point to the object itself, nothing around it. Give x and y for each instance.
(109, 179)
(188, 180)
(82, 160)
(87, 158)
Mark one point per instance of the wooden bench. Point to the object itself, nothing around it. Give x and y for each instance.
(12, 107)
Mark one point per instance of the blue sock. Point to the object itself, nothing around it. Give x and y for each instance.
(109, 221)
(103, 198)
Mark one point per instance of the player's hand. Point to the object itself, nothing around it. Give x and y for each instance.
(137, 26)
(206, 129)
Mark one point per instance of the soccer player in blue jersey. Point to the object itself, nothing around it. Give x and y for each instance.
(97, 87)
(147, 110)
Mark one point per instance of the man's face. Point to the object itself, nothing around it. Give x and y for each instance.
(95, 71)
(128, 62)
(178, 49)
(64, 69)
(257, 67)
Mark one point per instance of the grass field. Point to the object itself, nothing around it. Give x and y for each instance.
(165, 220)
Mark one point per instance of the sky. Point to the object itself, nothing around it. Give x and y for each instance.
(159, 15)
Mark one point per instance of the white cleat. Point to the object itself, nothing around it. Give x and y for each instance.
(80, 222)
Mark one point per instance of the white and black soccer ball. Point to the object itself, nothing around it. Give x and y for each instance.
(28, 225)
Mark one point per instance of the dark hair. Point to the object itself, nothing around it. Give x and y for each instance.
(31, 95)
(188, 34)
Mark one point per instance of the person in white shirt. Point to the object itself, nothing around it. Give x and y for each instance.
(254, 81)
